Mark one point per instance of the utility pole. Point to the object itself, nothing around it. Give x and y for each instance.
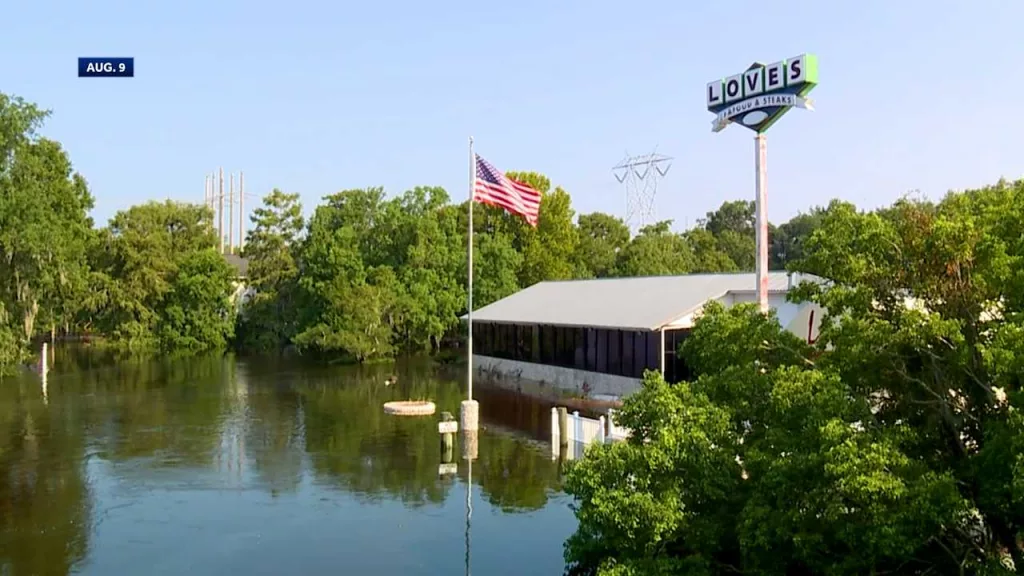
(241, 211)
(231, 214)
(220, 225)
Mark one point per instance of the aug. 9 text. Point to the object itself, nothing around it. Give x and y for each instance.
(106, 67)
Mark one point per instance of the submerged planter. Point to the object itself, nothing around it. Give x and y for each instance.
(410, 408)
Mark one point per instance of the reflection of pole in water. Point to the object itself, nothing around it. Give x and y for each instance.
(43, 369)
(234, 425)
(469, 453)
(469, 509)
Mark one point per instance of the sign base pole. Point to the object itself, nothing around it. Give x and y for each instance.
(761, 218)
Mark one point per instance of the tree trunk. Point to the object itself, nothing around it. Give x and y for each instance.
(30, 319)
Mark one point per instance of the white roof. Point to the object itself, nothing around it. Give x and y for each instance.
(642, 303)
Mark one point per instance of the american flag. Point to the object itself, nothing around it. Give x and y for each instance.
(494, 188)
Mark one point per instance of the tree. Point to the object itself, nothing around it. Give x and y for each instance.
(196, 313)
(893, 444)
(137, 263)
(787, 241)
(655, 251)
(732, 216)
(601, 238)
(548, 251)
(269, 320)
(708, 256)
(432, 266)
(43, 225)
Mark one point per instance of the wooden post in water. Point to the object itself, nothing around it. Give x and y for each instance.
(447, 427)
(563, 426)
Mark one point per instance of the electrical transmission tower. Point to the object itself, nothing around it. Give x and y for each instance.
(639, 175)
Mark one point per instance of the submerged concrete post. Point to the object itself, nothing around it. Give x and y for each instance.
(470, 415)
(470, 444)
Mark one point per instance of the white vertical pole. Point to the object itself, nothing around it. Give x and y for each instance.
(661, 356)
(231, 214)
(220, 210)
(469, 316)
(761, 218)
(241, 210)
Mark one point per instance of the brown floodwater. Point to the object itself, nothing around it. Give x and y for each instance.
(223, 465)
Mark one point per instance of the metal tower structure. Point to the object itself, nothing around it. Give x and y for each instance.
(216, 198)
(639, 176)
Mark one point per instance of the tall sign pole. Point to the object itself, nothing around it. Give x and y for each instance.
(756, 98)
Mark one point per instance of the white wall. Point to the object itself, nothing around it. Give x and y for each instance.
(567, 379)
(794, 317)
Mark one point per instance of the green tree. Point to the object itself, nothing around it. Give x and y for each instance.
(655, 251)
(732, 216)
(139, 278)
(343, 308)
(548, 253)
(601, 238)
(706, 252)
(891, 445)
(270, 317)
(196, 313)
(787, 241)
(43, 223)
(433, 264)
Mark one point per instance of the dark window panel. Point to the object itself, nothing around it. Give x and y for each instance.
(591, 362)
(639, 354)
(614, 352)
(627, 354)
(653, 347)
(580, 353)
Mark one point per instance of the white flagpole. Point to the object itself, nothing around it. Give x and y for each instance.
(472, 185)
(470, 409)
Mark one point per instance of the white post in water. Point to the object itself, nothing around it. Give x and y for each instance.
(470, 413)
(44, 368)
(756, 98)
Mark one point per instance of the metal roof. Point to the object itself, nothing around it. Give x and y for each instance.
(640, 303)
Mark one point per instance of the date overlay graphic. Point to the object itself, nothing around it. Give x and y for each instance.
(106, 67)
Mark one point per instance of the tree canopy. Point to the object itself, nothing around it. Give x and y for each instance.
(893, 444)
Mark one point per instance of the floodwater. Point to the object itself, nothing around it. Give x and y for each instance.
(222, 465)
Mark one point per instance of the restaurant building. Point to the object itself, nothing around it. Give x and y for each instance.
(598, 336)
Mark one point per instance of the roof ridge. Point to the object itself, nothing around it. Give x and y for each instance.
(663, 276)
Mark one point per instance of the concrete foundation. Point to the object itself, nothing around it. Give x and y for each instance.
(470, 416)
(579, 382)
(470, 444)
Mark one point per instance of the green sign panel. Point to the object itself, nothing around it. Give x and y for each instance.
(759, 96)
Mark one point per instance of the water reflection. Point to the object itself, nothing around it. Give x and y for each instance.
(264, 466)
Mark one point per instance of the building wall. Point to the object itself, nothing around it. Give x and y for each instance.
(568, 379)
(624, 353)
(797, 318)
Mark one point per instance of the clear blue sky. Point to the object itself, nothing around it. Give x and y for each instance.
(315, 97)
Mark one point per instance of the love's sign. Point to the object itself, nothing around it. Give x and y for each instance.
(757, 97)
